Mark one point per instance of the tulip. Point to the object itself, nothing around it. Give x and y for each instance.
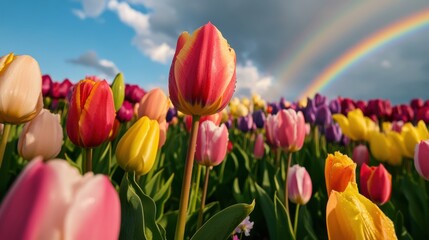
(387, 147)
(154, 105)
(335, 106)
(258, 148)
(91, 113)
(323, 116)
(20, 89)
(412, 136)
(245, 124)
(212, 142)
(53, 201)
(271, 131)
(171, 113)
(333, 133)
(423, 114)
(402, 113)
(290, 130)
(215, 118)
(202, 74)
(118, 90)
(126, 112)
(375, 183)
(259, 118)
(46, 85)
(349, 215)
(347, 105)
(137, 149)
(355, 125)
(61, 90)
(421, 159)
(133, 93)
(361, 154)
(339, 172)
(378, 107)
(41, 136)
(319, 100)
(299, 185)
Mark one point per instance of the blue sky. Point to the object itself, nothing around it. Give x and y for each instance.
(74, 38)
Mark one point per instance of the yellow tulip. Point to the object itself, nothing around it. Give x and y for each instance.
(20, 89)
(339, 171)
(137, 149)
(349, 215)
(412, 136)
(387, 147)
(355, 126)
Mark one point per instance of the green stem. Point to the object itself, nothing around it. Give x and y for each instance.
(203, 198)
(286, 185)
(87, 159)
(295, 225)
(196, 189)
(316, 141)
(186, 183)
(4, 139)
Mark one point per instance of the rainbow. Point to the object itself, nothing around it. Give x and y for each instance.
(370, 44)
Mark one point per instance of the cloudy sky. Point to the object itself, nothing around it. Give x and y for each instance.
(282, 46)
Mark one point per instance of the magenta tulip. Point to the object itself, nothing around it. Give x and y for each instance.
(375, 183)
(360, 154)
(421, 159)
(212, 142)
(53, 201)
(299, 184)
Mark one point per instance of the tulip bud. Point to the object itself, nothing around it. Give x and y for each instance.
(291, 130)
(259, 149)
(154, 105)
(91, 113)
(212, 142)
(259, 118)
(421, 159)
(245, 124)
(339, 172)
(20, 89)
(53, 200)
(137, 149)
(126, 112)
(46, 85)
(375, 183)
(202, 74)
(133, 93)
(41, 136)
(299, 184)
(118, 90)
(361, 154)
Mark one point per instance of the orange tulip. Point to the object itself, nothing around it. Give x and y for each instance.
(339, 172)
(202, 74)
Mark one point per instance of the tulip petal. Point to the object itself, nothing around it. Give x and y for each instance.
(95, 211)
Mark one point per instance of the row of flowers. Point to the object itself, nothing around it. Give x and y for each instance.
(284, 164)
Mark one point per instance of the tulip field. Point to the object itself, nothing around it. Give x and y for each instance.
(103, 159)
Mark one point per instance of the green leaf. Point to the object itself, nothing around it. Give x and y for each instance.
(281, 220)
(268, 209)
(138, 212)
(222, 224)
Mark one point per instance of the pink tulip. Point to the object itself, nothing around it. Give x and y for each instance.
(53, 201)
(271, 131)
(258, 149)
(421, 159)
(299, 184)
(212, 142)
(291, 130)
(375, 183)
(361, 154)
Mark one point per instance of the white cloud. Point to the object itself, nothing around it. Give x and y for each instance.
(146, 41)
(90, 59)
(249, 80)
(91, 8)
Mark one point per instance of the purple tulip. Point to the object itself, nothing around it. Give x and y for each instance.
(259, 118)
(171, 113)
(53, 201)
(323, 116)
(245, 124)
(335, 106)
(319, 100)
(333, 133)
